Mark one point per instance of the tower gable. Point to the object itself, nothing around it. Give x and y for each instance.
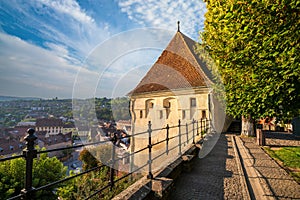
(178, 67)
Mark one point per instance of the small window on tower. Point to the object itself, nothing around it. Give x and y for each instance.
(183, 114)
(203, 114)
(167, 104)
(141, 114)
(193, 102)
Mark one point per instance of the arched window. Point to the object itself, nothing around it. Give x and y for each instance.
(149, 105)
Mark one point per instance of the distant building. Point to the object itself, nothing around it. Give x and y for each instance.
(32, 124)
(38, 108)
(9, 146)
(67, 128)
(51, 126)
(51, 133)
(125, 125)
(12, 140)
(84, 132)
(54, 141)
(21, 131)
(36, 115)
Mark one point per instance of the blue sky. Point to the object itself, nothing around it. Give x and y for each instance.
(65, 48)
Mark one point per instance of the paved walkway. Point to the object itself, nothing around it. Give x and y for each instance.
(215, 176)
(279, 183)
(219, 175)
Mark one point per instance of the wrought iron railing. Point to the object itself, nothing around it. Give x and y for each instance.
(198, 127)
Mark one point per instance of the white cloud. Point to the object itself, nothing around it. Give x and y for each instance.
(70, 7)
(165, 14)
(29, 70)
(117, 59)
(61, 22)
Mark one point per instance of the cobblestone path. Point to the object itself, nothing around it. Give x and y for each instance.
(216, 176)
(281, 185)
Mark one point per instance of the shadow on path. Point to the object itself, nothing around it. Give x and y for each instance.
(206, 179)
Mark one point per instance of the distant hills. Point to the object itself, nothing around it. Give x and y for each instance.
(11, 98)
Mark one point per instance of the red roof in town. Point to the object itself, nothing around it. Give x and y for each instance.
(53, 139)
(48, 122)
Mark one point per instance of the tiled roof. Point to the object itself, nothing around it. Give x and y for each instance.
(178, 67)
(48, 122)
(10, 146)
(53, 139)
(69, 126)
(21, 130)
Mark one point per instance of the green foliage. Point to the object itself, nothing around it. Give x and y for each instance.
(82, 187)
(120, 108)
(45, 170)
(255, 47)
(89, 161)
(12, 175)
(96, 156)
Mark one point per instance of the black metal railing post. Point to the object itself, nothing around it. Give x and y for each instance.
(167, 139)
(179, 137)
(201, 126)
(193, 131)
(29, 153)
(150, 175)
(112, 169)
(204, 127)
(197, 127)
(187, 132)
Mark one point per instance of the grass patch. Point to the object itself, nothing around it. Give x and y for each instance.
(289, 158)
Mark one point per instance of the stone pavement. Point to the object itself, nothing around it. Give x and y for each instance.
(218, 175)
(280, 184)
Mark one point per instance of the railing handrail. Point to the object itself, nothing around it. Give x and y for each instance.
(30, 153)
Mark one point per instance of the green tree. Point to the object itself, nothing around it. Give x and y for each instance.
(120, 108)
(255, 47)
(45, 170)
(89, 161)
(12, 175)
(83, 186)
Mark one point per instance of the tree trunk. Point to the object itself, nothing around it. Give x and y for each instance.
(247, 126)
